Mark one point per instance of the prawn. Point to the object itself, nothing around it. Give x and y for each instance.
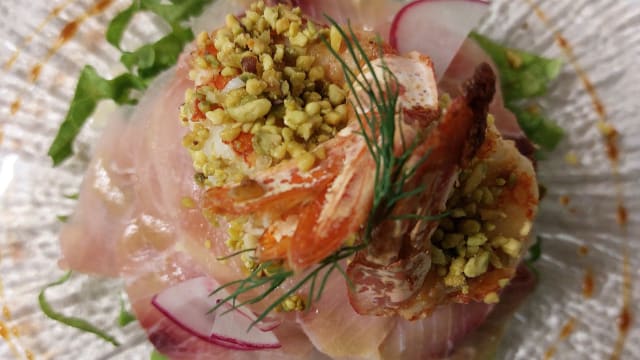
(395, 265)
(398, 273)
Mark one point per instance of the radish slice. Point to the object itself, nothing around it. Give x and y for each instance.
(267, 324)
(188, 303)
(436, 28)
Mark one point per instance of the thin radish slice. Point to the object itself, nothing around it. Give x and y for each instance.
(436, 28)
(188, 303)
(266, 324)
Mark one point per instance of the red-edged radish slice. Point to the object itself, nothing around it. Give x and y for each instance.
(187, 304)
(266, 324)
(436, 28)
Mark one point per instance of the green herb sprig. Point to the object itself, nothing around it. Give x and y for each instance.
(143, 65)
(378, 128)
(71, 321)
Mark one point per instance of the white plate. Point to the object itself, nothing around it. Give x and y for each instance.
(603, 35)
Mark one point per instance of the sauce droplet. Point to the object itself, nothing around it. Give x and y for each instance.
(549, 353)
(15, 106)
(34, 73)
(29, 38)
(567, 329)
(583, 250)
(69, 30)
(565, 332)
(564, 200)
(11, 61)
(622, 215)
(588, 284)
(6, 313)
(4, 331)
(624, 320)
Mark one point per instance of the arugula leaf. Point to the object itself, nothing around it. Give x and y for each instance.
(143, 65)
(118, 25)
(75, 322)
(173, 13)
(525, 76)
(176, 11)
(90, 89)
(74, 196)
(535, 251)
(125, 317)
(152, 59)
(155, 355)
(539, 129)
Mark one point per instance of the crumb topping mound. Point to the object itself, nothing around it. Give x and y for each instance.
(261, 96)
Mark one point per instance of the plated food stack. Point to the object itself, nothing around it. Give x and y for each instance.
(306, 175)
(268, 97)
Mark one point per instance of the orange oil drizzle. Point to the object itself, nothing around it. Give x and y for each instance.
(67, 33)
(610, 137)
(15, 106)
(29, 38)
(9, 334)
(565, 332)
(588, 284)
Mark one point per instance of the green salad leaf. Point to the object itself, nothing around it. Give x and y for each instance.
(152, 59)
(524, 77)
(75, 322)
(90, 90)
(539, 129)
(155, 355)
(125, 317)
(73, 196)
(535, 251)
(143, 64)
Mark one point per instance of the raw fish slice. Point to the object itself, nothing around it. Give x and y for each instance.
(338, 331)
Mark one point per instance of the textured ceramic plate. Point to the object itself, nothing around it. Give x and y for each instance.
(589, 219)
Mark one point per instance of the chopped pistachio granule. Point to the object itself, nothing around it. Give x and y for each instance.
(465, 244)
(261, 95)
(292, 303)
